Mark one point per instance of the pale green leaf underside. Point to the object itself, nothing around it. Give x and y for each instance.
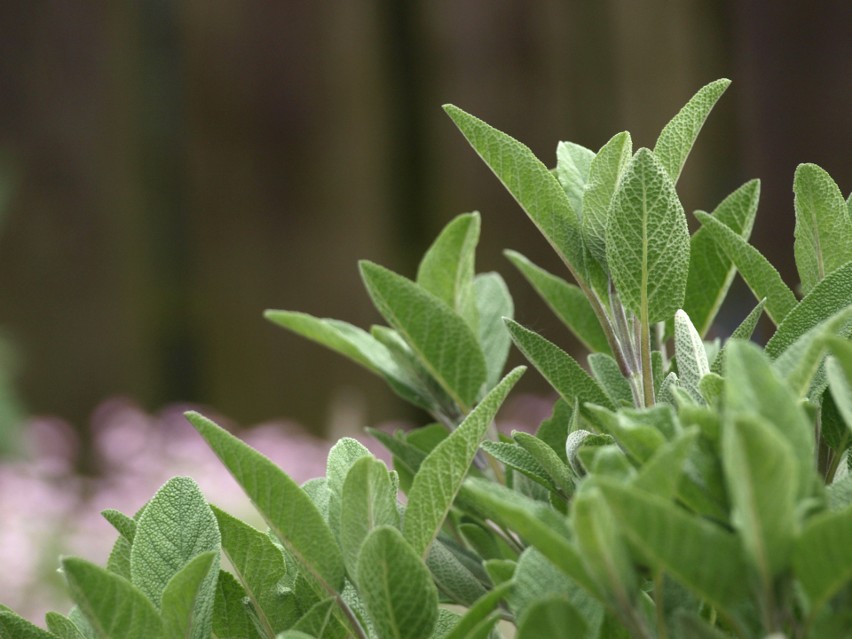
(494, 302)
(692, 362)
(758, 273)
(647, 241)
(442, 472)
(396, 586)
(677, 137)
(823, 235)
(567, 301)
(572, 171)
(441, 339)
(287, 509)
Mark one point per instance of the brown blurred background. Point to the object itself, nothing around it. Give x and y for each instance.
(178, 167)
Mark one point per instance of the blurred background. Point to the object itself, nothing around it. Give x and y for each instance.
(171, 169)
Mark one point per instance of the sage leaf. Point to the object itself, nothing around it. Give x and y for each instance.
(453, 578)
(742, 332)
(442, 472)
(692, 362)
(479, 612)
(530, 182)
(126, 526)
(572, 170)
(839, 372)
(549, 461)
(608, 374)
(552, 616)
(761, 277)
(175, 527)
(823, 226)
(567, 301)
(647, 241)
(517, 458)
(60, 626)
(345, 452)
(447, 268)
(14, 627)
(288, 510)
(677, 137)
(661, 475)
(822, 557)
(187, 603)
(396, 586)
(494, 302)
(114, 607)
(230, 616)
(442, 341)
(711, 271)
(320, 621)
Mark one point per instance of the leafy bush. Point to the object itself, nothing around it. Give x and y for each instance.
(695, 491)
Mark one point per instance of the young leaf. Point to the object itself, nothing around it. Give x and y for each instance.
(567, 301)
(761, 277)
(605, 171)
(447, 268)
(176, 525)
(368, 501)
(678, 136)
(230, 617)
(442, 472)
(187, 604)
(14, 627)
(661, 474)
(113, 606)
(440, 338)
(547, 458)
(340, 459)
(287, 509)
(711, 271)
(126, 526)
(572, 171)
(822, 557)
(259, 567)
(396, 586)
(553, 616)
(691, 356)
(608, 374)
(742, 332)
(493, 304)
(562, 372)
(61, 626)
(762, 479)
(647, 241)
(452, 572)
(479, 611)
(823, 226)
(530, 182)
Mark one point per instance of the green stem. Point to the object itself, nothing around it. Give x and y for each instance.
(647, 374)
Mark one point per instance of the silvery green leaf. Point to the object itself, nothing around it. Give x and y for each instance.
(440, 475)
(743, 331)
(320, 621)
(608, 374)
(447, 268)
(452, 577)
(572, 171)
(187, 603)
(552, 616)
(661, 473)
(547, 458)
(567, 301)
(711, 271)
(605, 171)
(13, 626)
(60, 626)
(823, 226)
(665, 394)
(230, 617)
(761, 277)
(692, 362)
(839, 372)
(481, 610)
(517, 458)
(441, 339)
(288, 510)
(396, 586)
(647, 241)
(494, 302)
(533, 186)
(126, 526)
(677, 137)
(345, 452)
(822, 557)
(176, 525)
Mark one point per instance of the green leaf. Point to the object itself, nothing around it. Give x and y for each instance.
(538, 524)
(742, 332)
(259, 566)
(608, 374)
(61, 626)
(442, 472)
(453, 578)
(567, 301)
(447, 268)
(822, 557)
(661, 474)
(572, 171)
(823, 226)
(678, 136)
(187, 605)
(839, 371)
(340, 459)
(691, 357)
(368, 501)
(647, 241)
(230, 617)
(494, 302)
(126, 526)
(530, 182)
(288, 510)
(114, 607)
(516, 457)
(562, 372)
(14, 627)
(761, 277)
(553, 431)
(176, 526)
(396, 586)
(711, 271)
(321, 622)
(440, 338)
(554, 616)
(832, 294)
(555, 468)
(677, 542)
(605, 171)
(762, 478)
(478, 612)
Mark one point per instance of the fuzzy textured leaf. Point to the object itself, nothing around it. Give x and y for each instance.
(553, 616)
(187, 604)
(494, 302)
(14, 627)
(742, 332)
(230, 618)
(572, 170)
(61, 626)
(822, 558)
(692, 362)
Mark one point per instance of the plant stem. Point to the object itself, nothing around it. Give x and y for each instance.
(647, 374)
